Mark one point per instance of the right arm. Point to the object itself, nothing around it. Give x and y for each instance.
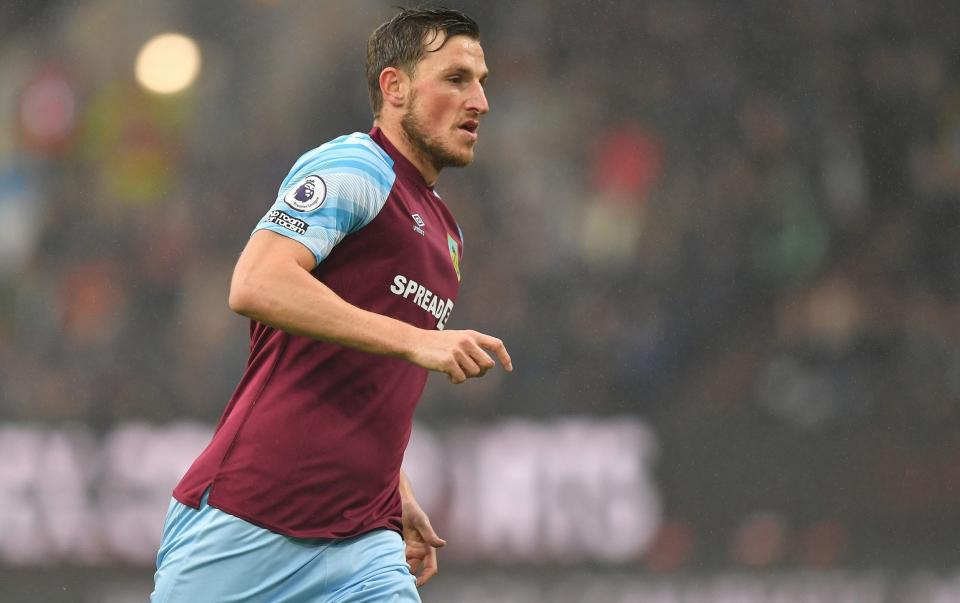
(272, 284)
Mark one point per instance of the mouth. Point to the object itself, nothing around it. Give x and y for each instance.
(470, 126)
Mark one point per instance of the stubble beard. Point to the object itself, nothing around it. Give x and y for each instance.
(429, 149)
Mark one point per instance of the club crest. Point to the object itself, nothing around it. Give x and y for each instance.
(454, 253)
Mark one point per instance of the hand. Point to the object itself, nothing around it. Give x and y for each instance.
(421, 542)
(459, 354)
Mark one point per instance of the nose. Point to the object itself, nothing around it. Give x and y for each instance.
(478, 100)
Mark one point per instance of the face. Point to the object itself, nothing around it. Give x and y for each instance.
(446, 101)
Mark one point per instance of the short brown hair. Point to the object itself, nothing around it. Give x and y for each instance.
(400, 42)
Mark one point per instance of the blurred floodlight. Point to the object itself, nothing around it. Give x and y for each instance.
(168, 63)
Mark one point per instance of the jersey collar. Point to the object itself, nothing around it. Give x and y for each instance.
(401, 164)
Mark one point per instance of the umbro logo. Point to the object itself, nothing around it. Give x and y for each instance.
(418, 224)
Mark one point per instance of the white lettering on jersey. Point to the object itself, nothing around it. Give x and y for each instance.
(285, 220)
(445, 315)
(398, 282)
(423, 297)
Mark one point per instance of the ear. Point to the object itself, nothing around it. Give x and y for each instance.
(394, 86)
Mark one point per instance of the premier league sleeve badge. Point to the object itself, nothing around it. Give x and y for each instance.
(307, 195)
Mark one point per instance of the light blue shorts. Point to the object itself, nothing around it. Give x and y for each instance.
(210, 556)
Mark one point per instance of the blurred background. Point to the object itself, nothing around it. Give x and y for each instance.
(719, 240)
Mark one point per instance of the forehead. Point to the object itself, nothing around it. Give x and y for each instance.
(459, 51)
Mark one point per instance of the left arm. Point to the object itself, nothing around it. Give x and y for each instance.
(421, 540)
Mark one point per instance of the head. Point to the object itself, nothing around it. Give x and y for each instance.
(425, 74)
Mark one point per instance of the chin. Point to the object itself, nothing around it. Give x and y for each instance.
(460, 158)
(466, 155)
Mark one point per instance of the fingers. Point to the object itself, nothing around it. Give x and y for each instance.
(454, 372)
(429, 568)
(430, 536)
(415, 552)
(422, 559)
(414, 563)
(467, 363)
(467, 357)
(496, 346)
(482, 360)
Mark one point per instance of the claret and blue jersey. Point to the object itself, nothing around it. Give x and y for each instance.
(310, 444)
(331, 192)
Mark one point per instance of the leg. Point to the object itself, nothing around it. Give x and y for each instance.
(371, 568)
(209, 555)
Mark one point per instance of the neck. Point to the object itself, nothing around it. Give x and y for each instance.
(398, 138)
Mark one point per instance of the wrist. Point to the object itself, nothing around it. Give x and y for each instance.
(405, 345)
(409, 507)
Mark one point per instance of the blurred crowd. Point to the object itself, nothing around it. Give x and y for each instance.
(738, 221)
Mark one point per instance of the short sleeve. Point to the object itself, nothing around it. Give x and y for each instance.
(331, 192)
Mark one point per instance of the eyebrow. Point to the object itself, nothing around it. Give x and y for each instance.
(463, 69)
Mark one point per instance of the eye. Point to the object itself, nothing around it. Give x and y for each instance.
(456, 79)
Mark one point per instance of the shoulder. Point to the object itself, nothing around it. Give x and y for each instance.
(353, 154)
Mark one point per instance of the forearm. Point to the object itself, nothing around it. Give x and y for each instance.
(272, 283)
(286, 296)
(406, 489)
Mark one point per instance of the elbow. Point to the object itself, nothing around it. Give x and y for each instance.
(243, 297)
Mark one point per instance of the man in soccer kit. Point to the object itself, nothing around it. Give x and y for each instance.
(349, 280)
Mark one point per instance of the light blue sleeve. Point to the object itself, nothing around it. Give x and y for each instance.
(330, 192)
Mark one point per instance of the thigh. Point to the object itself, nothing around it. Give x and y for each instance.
(371, 568)
(209, 555)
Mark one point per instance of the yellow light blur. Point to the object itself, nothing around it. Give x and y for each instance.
(168, 63)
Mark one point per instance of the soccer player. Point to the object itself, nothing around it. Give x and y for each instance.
(349, 280)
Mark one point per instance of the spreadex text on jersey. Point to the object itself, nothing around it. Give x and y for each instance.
(423, 297)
